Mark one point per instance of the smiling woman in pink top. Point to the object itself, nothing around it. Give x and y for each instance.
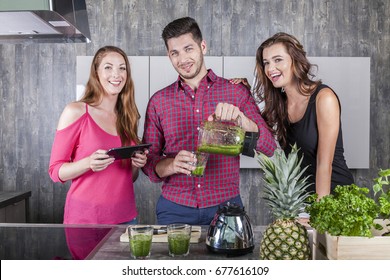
(106, 117)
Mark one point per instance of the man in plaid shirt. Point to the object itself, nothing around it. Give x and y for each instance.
(173, 118)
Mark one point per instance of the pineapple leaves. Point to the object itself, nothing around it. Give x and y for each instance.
(284, 188)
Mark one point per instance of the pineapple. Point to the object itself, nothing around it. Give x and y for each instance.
(285, 194)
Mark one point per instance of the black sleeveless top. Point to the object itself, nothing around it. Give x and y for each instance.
(305, 134)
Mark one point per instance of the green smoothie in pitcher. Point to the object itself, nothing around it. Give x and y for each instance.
(227, 150)
(223, 138)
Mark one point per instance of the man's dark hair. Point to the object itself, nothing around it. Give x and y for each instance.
(180, 27)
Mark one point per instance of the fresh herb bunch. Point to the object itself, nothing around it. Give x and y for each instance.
(384, 197)
(349, 212)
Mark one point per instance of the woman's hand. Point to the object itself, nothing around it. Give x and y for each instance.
(99, 160)
(139, 159)
(244, 81)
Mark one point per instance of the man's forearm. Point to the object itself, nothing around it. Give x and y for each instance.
(164, 167)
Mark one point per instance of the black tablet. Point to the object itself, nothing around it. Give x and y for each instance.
(127, 152)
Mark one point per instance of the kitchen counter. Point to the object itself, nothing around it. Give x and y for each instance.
(96, 242)
(113, 249)
(14, 206)
(8, 198)
(50, 241)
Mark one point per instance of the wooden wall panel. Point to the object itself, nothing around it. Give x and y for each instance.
(38, 80)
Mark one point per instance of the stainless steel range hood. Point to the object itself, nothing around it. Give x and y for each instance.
(44, 21)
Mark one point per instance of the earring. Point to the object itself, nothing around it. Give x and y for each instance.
(282, 90)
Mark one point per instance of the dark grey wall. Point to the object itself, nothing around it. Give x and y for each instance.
(38, 80)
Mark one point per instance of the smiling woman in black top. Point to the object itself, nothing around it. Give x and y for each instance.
(301, 110)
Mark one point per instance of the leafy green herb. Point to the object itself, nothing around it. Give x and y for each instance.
(384, 198)
(349, 212)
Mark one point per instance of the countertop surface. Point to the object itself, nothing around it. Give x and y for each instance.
(10, 197)
(50, 241)
(113, 249)
(96, 242)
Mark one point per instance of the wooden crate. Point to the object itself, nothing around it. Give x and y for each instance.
(330, 247)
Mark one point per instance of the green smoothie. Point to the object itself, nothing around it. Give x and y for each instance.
(199, 170)
(178, 244)
(228, 150)
(140, 245)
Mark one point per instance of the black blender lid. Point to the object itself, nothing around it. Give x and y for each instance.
(231, 209)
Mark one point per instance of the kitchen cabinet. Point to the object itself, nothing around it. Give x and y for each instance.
(14, 207)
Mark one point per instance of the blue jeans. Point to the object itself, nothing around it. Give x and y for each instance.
(169, 212)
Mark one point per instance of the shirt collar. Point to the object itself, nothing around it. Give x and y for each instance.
(211, 78)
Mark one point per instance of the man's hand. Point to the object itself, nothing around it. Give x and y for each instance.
(182, 163)
(229, 112)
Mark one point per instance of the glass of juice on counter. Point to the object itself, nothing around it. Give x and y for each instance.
(140, 237)
(200, 164)
(179, 236)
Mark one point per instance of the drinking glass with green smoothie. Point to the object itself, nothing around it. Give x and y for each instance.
(179, 236)
(140, 237)
(200, 164)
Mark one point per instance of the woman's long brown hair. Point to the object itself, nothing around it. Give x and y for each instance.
(126, 109)
(275, 100)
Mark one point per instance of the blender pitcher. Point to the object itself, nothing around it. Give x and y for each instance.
(221, 137)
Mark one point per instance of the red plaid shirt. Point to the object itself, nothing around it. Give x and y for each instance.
(173, 117)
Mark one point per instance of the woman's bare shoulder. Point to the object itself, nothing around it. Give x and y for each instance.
(72, 112)
(327, 103)
(327, 95)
